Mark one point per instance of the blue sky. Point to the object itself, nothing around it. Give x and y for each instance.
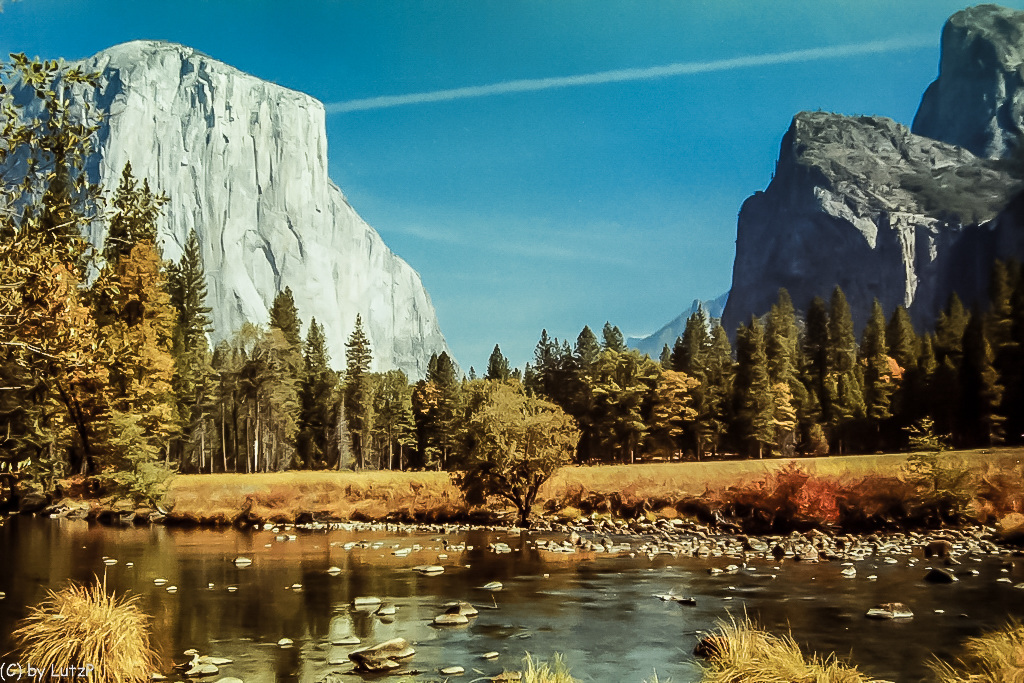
(550, 208)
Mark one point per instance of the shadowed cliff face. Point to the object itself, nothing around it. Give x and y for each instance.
(244, 163)
(865, 204)
(977, 102)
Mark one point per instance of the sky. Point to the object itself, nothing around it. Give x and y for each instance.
(544, 165)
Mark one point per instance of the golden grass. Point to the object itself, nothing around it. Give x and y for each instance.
(431, 496)
(750, 655)
(991, 658)
(544, 672)
(105, 638)
(283, 496)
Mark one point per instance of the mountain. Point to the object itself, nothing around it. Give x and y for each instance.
(977, 102)
(244, 162)
(883, 212)
(654, 343)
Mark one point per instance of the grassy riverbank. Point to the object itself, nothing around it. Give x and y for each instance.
(797, 487)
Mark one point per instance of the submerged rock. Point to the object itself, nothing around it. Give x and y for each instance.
(890, 610)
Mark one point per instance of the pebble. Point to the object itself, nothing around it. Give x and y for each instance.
(492, 586)
(243, 561)
(334, 571)
(452, 671)
(285, 642)
(490, 655)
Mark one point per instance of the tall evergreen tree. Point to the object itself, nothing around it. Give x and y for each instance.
(613, 339)
(844, 382)
(782, 347)
(817, 366)
(497, 366)
(320, 402)
(285, 317)
(716, 413)
(193, 373)
(982, 392)
(358, 357)
(879, 382)
(755, 402)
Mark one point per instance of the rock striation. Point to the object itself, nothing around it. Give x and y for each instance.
(244, 162)
(977, 102)
(863, 203)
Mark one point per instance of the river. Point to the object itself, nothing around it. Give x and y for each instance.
(598, 610)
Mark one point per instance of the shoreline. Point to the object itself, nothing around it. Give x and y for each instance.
(850, 494)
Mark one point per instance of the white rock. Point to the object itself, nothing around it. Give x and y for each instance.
(244, 162)
(285, 642)
(243, 561)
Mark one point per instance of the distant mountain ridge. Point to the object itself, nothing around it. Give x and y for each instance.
(654, 343)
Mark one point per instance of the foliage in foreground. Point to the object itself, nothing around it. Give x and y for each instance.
(82, 626)
(555, 671)
(991, 658)
(746, 654)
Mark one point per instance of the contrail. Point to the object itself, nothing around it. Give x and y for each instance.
(641, 74)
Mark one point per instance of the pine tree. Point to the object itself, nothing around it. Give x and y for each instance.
(672, 408)
(193, 373)
(843, 383)
(393, 424)
(587, 349)
(281, 356)
(622, 385)
(879, 382)
(908, 399)
(358, 396)
(690, 348)
(665, 358)
(134, 221)
(755, 408)
(944, 385)
(782, 348)
(285, 317)
(319, 399)
(982, 392)
(816, 360)
(613, 339)
(716, 413)
(497, 366)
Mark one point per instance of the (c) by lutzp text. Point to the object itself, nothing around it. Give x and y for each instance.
(16, 671)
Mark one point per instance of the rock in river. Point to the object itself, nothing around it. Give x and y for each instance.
(382, 656)
(939, 576)
(890, 610)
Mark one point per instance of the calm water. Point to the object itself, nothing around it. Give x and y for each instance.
(599, 612)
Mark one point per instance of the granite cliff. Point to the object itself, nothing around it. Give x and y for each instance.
(244, 162)
(883, 212)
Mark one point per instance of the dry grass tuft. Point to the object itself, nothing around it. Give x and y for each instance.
(751, 655)
(83, 626)
(543, 672)
(991, 658)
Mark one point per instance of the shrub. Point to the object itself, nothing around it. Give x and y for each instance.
(991, 658)
(751, 655)
(83, 626)
(543, 672)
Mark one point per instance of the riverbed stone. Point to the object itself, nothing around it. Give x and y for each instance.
(890, 610)
(382, 656)
(33, 502)
(936, 575)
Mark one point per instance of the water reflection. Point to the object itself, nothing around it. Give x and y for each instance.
(599, 611)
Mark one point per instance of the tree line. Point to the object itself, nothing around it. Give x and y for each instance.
(106, 368)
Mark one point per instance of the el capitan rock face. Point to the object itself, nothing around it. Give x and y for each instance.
(865, 204)
(244, 162)
(977, 102)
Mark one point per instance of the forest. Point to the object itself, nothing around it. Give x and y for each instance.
(106, 367)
